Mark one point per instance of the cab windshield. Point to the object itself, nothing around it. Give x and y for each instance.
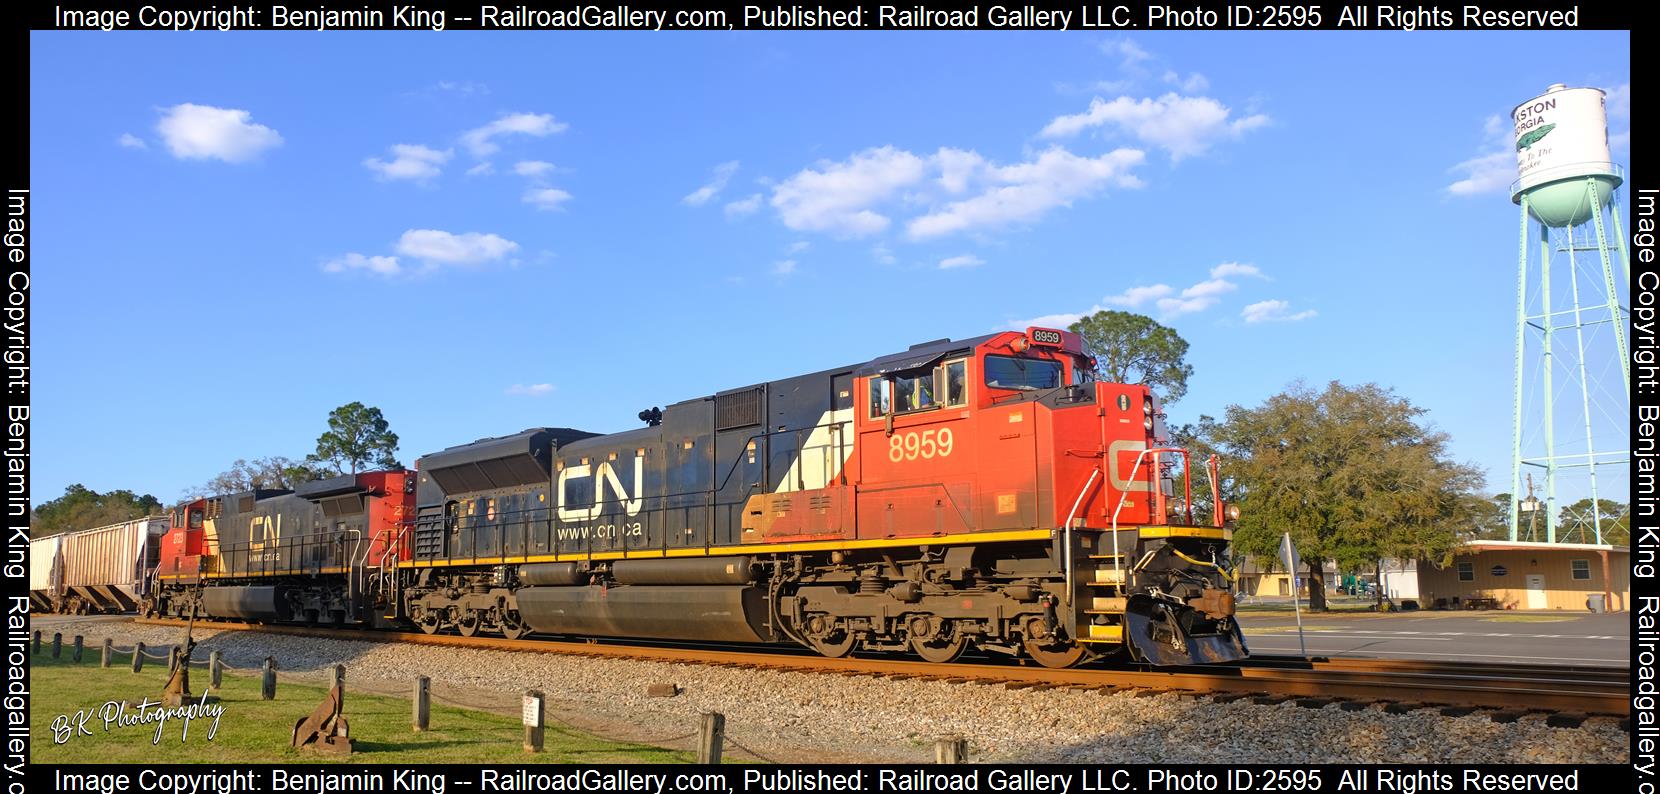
(1025, 374)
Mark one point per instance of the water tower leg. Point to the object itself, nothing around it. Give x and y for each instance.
(1608, 281)
(1521, 348)
(1548, 323)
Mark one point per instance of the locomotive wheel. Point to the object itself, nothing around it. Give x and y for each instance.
(1054, 654)
(467, 624)
(834, 648)
(428, 621)
(513, 628)
(940, 651)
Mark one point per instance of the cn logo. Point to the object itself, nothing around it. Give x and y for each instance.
(264, 531)
(605, 475)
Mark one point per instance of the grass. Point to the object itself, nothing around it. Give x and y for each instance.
(252, 730)
(1529, 618)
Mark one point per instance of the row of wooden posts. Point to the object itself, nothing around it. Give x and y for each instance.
(711, 728)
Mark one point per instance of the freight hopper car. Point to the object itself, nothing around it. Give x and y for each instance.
(313, 555)
(100, 570)
(983, 492)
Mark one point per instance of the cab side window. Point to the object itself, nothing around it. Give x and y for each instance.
(955, 376)
(914, 391)
(880, 397)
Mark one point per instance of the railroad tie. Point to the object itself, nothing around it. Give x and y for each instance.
(1229, 697)
(1565, 719)
(1148, 693)
(1456, 711)
(1355, 705)
(1506, 716)
(1270, 700)
(1314, 703)
(1401, 708)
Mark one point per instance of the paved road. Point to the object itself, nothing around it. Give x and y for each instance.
(1563, 638)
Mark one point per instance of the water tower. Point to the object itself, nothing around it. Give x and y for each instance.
(1571, 417)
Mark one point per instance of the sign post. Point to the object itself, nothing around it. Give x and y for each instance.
(1288, 553)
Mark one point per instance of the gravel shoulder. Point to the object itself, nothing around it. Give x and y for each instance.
(805, 717)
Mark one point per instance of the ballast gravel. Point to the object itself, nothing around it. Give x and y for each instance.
(807, 717)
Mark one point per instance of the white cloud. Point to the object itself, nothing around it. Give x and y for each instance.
(883, 255)
(1192, 84)
(965, 260)
(784, 268)
(1061, 320)
(482, 141)
(1227, 269)
(1164, 298)
(956, 167)
(531, 390)
(131, 141)
(837, 197)
(1181, 125)
(379, 265)
(1024, 192)
(798, 246)
(444, 248)
(742, 207)
(463, 87)
(1274, 311)
(546, 198)
(204, 132)
(481, 169)
(1135, 296)
(533, 168)
(1129, 52)
(1494, 169)
(702, 196)
(409, 161)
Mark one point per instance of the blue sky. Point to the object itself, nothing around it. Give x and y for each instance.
(237, 232)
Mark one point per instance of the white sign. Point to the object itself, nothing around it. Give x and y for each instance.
(533, 711)
(1288, 553)
(1559, 133)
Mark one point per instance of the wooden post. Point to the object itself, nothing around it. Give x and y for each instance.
(216, 668)
(711, 734)
(37, 642)
(339, 679)
(57, 644)
(421, 707)
(951, 750)
(268, 687)
(78, 644)
(172, 658)
(533, 709)
(108, 653)
(138, 656)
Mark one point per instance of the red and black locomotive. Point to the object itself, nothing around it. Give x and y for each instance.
(986, 492)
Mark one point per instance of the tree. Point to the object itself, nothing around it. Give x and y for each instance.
(270, 472)
(1131, 348)
(1349, 473)
(1576, 521)
(1490, 518)
(83, 508)
(358, 437)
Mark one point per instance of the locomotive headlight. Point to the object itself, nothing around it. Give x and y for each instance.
(1232, 512)
(1147, 423)
(1147, 406)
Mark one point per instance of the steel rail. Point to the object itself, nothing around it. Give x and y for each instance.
(1599, 691)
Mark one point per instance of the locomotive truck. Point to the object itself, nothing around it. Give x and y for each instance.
(985, 492)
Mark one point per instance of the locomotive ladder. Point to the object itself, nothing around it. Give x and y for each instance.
(1105, 576)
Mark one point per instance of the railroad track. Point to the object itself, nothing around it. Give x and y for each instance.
(1507, 692)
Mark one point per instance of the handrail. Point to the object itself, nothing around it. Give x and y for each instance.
(1117, 564)
(1066, 531)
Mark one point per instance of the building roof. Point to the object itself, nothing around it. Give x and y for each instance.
(1503, 545)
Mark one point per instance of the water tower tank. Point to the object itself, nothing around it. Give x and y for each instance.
(1561, 140)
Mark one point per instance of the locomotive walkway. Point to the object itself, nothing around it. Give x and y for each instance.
(1506, 692)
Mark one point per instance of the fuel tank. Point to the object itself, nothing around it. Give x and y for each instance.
(249, 603)
(722, 614)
